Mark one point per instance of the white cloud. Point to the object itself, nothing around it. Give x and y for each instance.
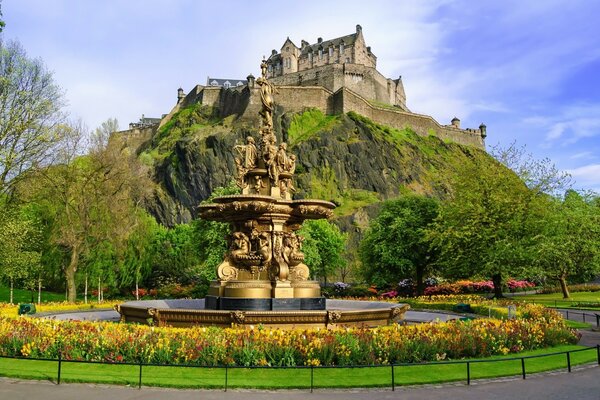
(587, 176)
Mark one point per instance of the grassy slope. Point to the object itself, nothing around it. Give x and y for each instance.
(266, 378)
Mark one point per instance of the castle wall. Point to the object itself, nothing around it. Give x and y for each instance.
(345, 101)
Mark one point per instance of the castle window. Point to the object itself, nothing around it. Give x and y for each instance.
(320, 54)
(331, 52)
(341, 48)
(226, 84)
(240, 83)
(347, 59)
(288, 62)
(214, 83)
(270, 68)
(310, 56)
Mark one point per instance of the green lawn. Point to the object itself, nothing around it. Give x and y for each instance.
(270, 378)
(25, 296)
(556, 299)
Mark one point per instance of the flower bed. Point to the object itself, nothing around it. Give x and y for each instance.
(103, 341)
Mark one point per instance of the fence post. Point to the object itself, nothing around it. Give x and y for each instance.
(523, 367)
(226, 373)
(312, 375)
(468, 373)
(59, 367)
(140, 381)
(393, 383)
(569, 361)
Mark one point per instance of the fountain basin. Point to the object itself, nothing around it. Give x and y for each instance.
(191, 312)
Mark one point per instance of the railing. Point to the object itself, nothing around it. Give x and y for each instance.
(393, 375)
(590, 317)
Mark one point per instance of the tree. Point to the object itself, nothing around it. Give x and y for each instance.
(2, 23)
(569, 242)
(323, 247)
(485, 227)
(541, 176)
(395, 245)
(19, 242)
(92, 198)
(30, 112)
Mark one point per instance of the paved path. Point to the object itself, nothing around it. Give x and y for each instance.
(580, 384)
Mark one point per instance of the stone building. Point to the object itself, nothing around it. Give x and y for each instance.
(335, 76)
(346, 61)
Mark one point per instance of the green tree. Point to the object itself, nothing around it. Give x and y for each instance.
(323, 247)
(30, 115)
(2, 23)
(19, 243)
(485, 227)
(92, 199)
(395, 245)
(569, 241)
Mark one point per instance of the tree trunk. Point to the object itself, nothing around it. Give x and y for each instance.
(85, 290)
(99, 290)
(39, 290)
(11, 290)
(70, 275)
(563, 287)
(137, 289)
(420, 286)
(497, 280)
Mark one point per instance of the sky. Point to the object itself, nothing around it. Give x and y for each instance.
(529, 70)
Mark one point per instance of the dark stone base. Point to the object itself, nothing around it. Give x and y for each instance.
(242, 304)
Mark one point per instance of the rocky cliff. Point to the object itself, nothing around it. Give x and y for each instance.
(347, 159)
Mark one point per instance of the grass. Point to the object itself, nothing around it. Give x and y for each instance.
(280, 378)
(556, 299)
(25, 296)
(309, 124)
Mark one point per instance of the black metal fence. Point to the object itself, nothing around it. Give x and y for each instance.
(582, 316)
(394, 380)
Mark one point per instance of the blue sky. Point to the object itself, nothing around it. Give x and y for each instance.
(530, 70)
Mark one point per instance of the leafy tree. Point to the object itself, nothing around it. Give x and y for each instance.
(569, 242)
(92, 200)
(323, 246)
(19, 242)
(30, 114)
(395, 246)
(2, 23)
(485, 227)
(541, 176)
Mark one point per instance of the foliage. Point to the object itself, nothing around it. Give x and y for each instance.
(323, 247)
(569, 242)
(19, 247)
(309, 124)
(466, 286)
(541, 176)
(82, 340)
(30, 114)
(395, 247)
(486, 226)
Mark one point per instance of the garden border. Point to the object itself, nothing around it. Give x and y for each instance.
(312, 368)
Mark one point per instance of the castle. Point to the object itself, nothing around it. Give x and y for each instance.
(335, 76)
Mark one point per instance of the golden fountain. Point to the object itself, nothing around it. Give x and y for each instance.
(264, 267)
(263, 278)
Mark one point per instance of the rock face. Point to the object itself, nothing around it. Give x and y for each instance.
(346, 159)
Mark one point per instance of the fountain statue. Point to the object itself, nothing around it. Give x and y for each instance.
(264, 267)
(263, 278)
